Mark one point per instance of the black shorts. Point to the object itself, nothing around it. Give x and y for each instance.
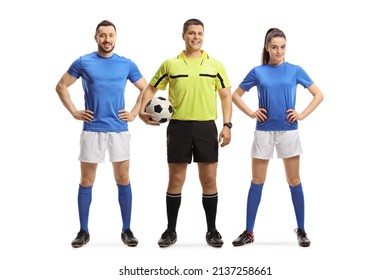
(187, 139)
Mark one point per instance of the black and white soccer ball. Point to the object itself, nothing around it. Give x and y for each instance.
(160, 108)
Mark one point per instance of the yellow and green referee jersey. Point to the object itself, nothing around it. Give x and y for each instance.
(193, 83)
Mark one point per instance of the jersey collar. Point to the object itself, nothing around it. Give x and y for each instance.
(182, 56)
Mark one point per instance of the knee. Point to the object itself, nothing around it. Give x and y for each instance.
(258, 180)
(122, 179)
(86, 181)
(175, 184)
(293, 181)
(208, 183)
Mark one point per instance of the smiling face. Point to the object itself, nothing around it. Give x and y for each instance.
(276, 49)
(105, 38)
(193, 38)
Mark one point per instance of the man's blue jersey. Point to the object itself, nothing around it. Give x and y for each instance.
(276, 88)
(104, 81)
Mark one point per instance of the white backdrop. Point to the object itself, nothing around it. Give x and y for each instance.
(342, 46)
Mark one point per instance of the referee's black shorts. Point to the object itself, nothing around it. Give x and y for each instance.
(192, 139)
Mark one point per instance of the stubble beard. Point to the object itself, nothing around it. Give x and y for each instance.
(103, 50)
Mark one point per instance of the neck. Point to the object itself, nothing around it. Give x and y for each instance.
(104, 54)
(192, 54)
(275, 63)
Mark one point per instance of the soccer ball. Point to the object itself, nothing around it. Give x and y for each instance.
(160, 108)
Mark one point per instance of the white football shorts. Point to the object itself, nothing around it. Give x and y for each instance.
(93, 146)
(286, 143)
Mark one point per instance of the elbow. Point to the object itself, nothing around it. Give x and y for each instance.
(58, 88)
(321, 97)
(234, 98)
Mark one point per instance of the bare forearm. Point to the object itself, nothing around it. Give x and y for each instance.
(142, 85)
(312, 106)
(318, 97)
(62, 90)
(237, 100)
(226, 103)
(137, 105)
(147, 95)
(64, 96)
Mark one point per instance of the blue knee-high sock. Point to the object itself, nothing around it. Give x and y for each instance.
(254, 197)
(125, 201)
(84, 199)
(299, 204)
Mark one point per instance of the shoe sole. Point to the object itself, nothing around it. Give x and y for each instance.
(131, 244)
(215, 245)
(167, 245)
(241, 244)
(304, 245)
(79, 246)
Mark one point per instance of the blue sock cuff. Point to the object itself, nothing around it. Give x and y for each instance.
(124, 189)
(85, 189)
(256, 186)
(296, 188)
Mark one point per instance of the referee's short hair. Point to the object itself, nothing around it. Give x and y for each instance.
(192, 21)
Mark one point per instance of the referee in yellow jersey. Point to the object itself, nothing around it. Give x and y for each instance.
(194, 78)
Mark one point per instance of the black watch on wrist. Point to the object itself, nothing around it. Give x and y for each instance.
(228, 124)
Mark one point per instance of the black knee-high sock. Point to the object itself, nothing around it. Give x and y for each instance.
(210, 202)
(173, 204)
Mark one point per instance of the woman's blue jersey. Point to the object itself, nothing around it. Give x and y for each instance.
(276, 88)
